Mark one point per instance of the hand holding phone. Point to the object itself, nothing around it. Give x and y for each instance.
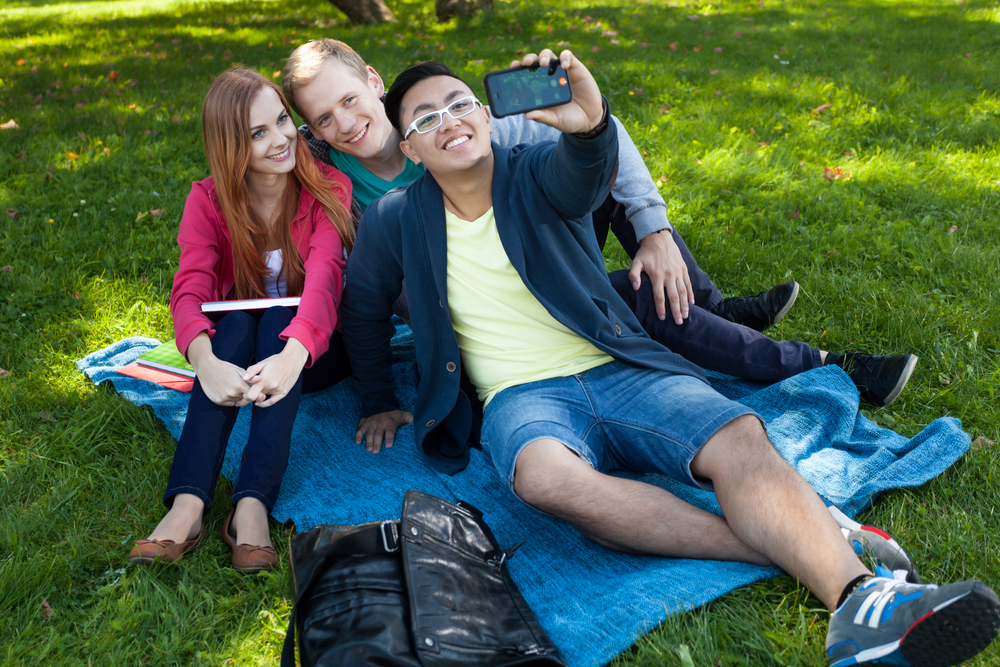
(584, 111)
(523, 89)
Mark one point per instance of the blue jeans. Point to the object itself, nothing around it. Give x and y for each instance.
(242, 339)
(614, 417)
(714, 343)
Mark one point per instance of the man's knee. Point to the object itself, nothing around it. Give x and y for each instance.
(547, 475)
(742, 442)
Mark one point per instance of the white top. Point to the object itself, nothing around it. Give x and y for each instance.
(274, 280)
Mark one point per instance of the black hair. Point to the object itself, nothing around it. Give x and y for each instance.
(407, 79)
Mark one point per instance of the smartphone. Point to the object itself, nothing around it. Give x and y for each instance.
(522, 89)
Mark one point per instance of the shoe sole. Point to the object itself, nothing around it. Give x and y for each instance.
(904, 377)
(787, 307)
(942, 637)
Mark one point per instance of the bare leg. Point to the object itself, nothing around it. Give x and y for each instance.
(774, 511)
(250, 522)
(183, 522)
(623, 514)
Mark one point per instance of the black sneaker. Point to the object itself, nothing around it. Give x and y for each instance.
(760, 310)
(879, 377)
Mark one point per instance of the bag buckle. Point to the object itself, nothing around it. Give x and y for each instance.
(389, 540)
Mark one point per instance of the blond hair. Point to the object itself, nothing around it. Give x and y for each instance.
(305, 62)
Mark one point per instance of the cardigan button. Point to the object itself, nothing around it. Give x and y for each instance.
(618, 330)
(451, 366)
(430, 423)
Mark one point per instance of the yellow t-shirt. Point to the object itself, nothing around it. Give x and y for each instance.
(505, 336)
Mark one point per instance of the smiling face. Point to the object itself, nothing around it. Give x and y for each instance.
(272, 135)
(458, 144)
(346, 111)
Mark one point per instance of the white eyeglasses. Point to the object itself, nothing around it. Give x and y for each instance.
(432, 121)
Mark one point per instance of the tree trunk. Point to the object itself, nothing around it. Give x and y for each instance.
(365, 11)
(447, 8)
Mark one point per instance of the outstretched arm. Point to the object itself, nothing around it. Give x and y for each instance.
(575, 173)
(658, 255)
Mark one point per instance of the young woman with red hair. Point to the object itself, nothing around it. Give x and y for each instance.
(270, 221)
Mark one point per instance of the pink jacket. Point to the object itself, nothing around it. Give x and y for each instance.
(206, 267)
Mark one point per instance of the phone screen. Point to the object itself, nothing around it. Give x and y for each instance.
(521, 89)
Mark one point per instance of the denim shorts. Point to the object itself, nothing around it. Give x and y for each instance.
(614, 417)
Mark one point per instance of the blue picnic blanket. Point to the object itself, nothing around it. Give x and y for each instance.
(593, 602)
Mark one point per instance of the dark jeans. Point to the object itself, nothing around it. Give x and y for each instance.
(714, 343)
(242, 339)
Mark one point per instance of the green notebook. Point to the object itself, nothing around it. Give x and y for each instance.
(167, 358)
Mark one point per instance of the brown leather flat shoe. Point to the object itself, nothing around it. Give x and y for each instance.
(248, 557)
(165, 551)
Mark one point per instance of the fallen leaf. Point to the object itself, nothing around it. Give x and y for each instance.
(20, 61)
(24, 151)
(713, 72)
(794, 213)
(46, 611)
(848, 154)
(141, 216)
(106, 150)
(643, 45)
(693, 17)
(176, 41)
(478, 62)
(954, 228)
(763, 143)
(78, 105)
(672, 46)
(982, 442)
(72, 156)
(113, 75)
(157, 212)
(5, 373)
(77, 295)
(595, 49)
(696, 49)
(9, 125)
(718, 49)
(737, 35)
(820, 109)
(835, 174)
(12, 214)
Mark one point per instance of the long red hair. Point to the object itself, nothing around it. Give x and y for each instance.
(225, 125)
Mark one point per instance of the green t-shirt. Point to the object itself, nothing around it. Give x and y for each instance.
(367, 186)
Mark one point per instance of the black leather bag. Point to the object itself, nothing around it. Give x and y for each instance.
(429, 590)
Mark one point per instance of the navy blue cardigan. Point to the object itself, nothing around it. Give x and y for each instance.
(542, 198)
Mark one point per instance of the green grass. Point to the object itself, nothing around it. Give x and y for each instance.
(901, 256)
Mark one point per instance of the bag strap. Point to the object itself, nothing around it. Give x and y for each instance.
(376, 538)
